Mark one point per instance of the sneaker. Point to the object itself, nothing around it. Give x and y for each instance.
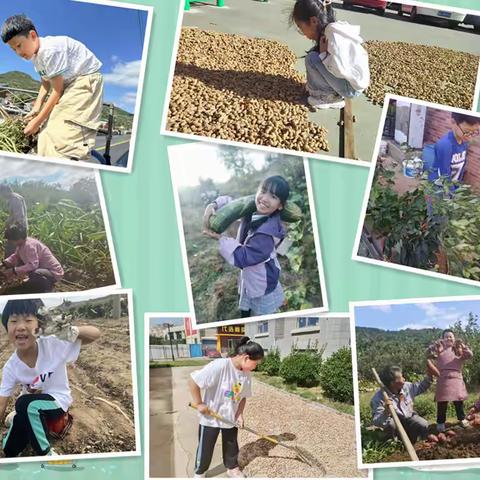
(235, 473)
(52, 453)
(327, 101)
(465, 423)
(198, 475)
(9, 419)
(440, 427)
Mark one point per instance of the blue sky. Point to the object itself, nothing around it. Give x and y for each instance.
(34, 170)
(415, 315)
(160, 321)
(115, 35)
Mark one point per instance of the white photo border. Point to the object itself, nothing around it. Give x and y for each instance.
(191, 305)
(146, 385)
(317, 156)
(133, 358)
(388, 98)
(371, 303)
(136, 115)
(110, 244)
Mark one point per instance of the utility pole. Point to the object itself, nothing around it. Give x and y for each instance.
(170, 338)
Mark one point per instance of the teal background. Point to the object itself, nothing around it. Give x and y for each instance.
(142, 216)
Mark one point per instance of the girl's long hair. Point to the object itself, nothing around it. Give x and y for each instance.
(304, 10)
(252, 349)
(277, 185)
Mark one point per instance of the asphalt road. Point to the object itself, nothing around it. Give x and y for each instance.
(270, 20)
(119, 146)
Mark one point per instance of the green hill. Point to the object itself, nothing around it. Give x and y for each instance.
(19, 80)
(123, 119)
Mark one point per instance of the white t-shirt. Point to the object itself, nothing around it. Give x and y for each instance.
(66, 57)
(224, 387)
(49, 375)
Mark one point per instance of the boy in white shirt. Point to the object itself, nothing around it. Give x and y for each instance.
(70, 72)
(39, 365)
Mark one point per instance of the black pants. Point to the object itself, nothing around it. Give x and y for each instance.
(207, 437)
(39, 281)
(415, 426)
(28, 425)
(442, 411)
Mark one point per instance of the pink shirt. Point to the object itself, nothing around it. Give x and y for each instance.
(450, 384)
(34, 254)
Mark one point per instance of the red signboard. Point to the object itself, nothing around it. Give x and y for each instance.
(188, 328)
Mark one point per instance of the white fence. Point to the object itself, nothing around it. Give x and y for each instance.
(164, 352)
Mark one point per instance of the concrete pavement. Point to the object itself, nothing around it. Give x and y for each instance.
(326, 435)
(174, 426)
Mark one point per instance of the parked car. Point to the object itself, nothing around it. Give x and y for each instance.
(417, 13)
(473, 20)
(212, 353)
(378, 5)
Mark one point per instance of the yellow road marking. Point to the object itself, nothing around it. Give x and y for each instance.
(113, 145)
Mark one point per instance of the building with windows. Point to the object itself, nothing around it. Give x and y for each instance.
(228, 336)
(301, 333)
(175, 332)
(220, 339)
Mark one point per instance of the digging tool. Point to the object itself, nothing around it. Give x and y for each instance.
(403, 434)
(299, 454)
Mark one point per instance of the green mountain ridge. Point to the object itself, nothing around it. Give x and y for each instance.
(15, 79)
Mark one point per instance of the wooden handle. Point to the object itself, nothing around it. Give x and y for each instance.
(403, 434)
(219, 417)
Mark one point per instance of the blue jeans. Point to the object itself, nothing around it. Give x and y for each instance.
(320, 81)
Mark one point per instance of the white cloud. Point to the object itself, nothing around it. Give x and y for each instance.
(32, 170)
(429, 308)
(124, 74)
(440, 317)
(129, 98)
(382, 308)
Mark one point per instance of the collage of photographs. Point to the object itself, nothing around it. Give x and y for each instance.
(166, 295)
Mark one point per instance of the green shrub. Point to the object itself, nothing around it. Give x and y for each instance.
(365, 414)
(271, 363)
(336, 376)
(425, 407)
(301, 368)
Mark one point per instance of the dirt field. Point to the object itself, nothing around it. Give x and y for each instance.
(102, 371)
(465, 445)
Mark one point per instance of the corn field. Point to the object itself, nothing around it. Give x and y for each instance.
(77, 238)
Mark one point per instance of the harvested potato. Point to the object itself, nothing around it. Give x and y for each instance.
(442, 437)
(243, 89)
(433, 74)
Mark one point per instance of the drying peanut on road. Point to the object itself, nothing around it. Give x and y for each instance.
(434, 74)
(243, 89)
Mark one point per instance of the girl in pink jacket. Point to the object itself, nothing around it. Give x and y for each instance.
(450, 356)
(32, 260)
